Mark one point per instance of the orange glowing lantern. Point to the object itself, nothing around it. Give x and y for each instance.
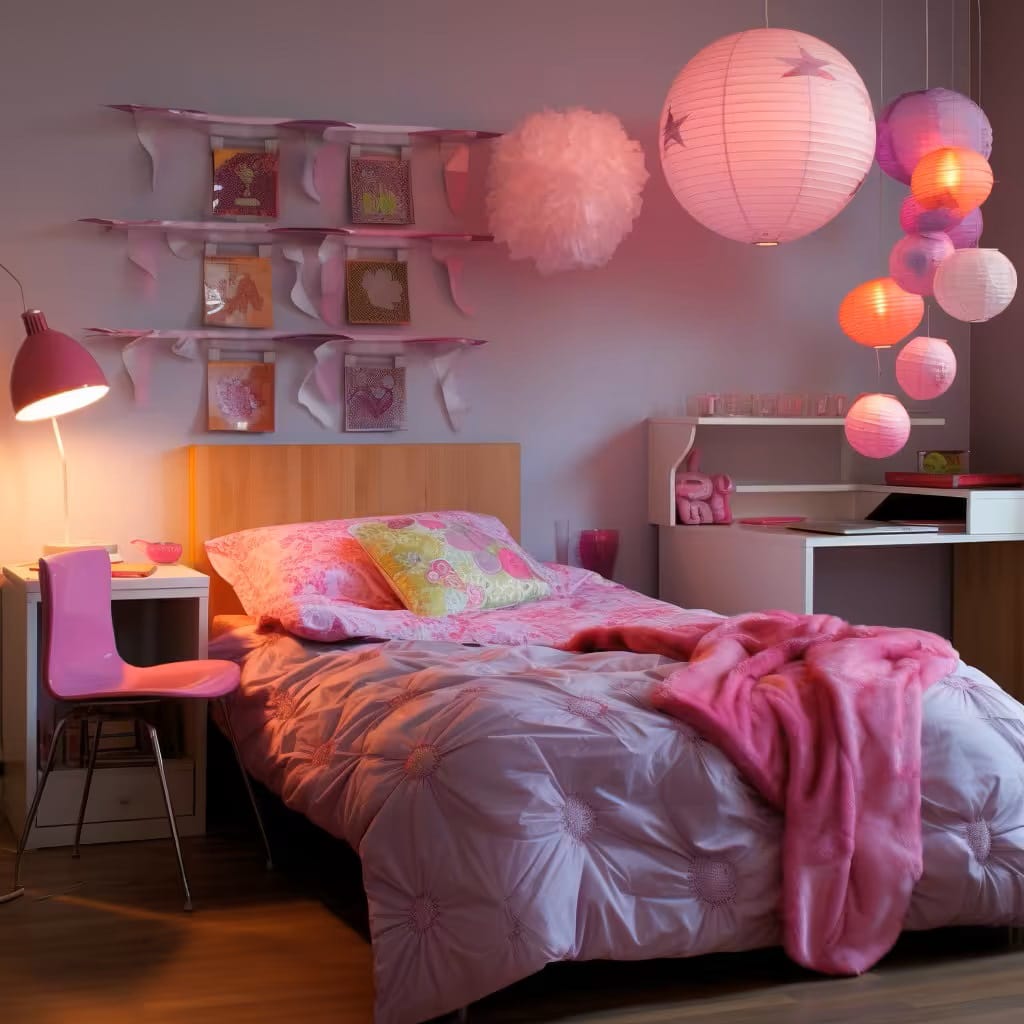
(879, 313)
(952, 178)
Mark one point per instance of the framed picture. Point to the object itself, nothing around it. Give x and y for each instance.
(374, 393)
(377, 291)
(240, 394)
(380, 188)
(245, 182)
(237, 291)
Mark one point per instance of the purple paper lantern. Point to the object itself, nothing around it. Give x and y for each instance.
(916, 220)
(918, 122)
(967, 233)
(914, 259)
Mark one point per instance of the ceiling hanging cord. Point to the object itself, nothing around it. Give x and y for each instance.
(927, 46)
(766, 13)
(881, 183)
(979, 51)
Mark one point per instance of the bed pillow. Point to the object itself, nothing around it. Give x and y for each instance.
(440, 565)
(272, 567)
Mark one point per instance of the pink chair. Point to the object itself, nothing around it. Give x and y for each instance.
(82, 669)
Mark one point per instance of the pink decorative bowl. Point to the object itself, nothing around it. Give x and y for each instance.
(163, 552)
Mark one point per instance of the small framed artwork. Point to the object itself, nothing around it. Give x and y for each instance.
(374, 393)
(245, 181)
(380, 188)
(377, 291)
(240, 392)
(237, 290)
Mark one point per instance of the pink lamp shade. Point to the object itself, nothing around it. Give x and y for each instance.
(967, 233)
(914, 259)
(916, 220)
(52, 373)
(877, 426)
(925, 368)
(915, 123)
(766, 135)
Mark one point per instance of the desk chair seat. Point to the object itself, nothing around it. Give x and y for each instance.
(83, 671)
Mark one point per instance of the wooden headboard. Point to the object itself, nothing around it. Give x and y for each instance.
(238, 486)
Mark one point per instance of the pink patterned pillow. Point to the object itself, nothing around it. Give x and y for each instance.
(273, 567)
(278, 571)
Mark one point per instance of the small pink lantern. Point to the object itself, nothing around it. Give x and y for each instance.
(877, 426)
(925, 368)
(914, 259)
(916, 123)
(916, 220)
(766, 135)
(967, 233)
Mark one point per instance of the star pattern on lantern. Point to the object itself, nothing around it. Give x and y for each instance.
(806, 66)
(671, 132)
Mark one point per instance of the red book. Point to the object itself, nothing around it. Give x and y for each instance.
(954, 480)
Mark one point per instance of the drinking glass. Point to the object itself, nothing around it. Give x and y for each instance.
(766, 405)
(598, 551)
(562, 541)
(791, 405)
(736, 403)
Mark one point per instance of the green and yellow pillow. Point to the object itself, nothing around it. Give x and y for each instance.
(440, 565)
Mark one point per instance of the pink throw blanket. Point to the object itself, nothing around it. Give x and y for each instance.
(824, 720)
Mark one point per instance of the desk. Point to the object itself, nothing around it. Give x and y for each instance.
(157, 619)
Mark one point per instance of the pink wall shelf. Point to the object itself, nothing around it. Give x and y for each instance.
(185, 238)
(326, 128)
(321, 390)
(325, 138)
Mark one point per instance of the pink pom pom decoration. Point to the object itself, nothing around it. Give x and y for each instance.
(877, 426)
(914, 259)
(925, 368)
(564, 189)
(916, 123)
(967, 233)
(916, 220)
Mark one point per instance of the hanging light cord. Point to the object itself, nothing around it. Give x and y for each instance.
(766, 13)
(15, 279)
(979, 53)
(927, 47)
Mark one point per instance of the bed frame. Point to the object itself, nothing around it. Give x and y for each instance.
(238, 486)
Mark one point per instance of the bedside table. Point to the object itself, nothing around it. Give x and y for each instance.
(157, 619)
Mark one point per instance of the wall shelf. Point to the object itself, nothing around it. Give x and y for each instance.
(670, 440)
(222, 123)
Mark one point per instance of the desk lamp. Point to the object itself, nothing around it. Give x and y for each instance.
(53, 375)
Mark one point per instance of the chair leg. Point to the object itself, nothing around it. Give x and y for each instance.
(58, 732)
(76, 852)
(245, 778)
(154, 741)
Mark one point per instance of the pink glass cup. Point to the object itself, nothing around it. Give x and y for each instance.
(598, 550)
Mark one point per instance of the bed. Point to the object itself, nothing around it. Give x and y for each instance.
(515, 804)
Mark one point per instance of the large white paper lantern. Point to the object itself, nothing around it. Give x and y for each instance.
(975, 284)
(766, 135)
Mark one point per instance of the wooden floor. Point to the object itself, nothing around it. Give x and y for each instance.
(103, 940)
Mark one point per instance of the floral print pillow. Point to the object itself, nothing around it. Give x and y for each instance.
(273, 568)
(446, 564)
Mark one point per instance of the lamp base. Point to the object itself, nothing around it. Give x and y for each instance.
(77, 545)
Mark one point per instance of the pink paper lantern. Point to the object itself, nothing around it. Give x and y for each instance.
(967, 233)
(916, 123)
(925, 368)
(766, 135)
(916, 220)
(877, 426)
(914, 259)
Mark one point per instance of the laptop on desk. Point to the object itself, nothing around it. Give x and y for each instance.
(856, 527)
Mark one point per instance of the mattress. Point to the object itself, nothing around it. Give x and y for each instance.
(518, 805)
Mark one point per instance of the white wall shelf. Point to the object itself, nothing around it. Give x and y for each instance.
(670, 440)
